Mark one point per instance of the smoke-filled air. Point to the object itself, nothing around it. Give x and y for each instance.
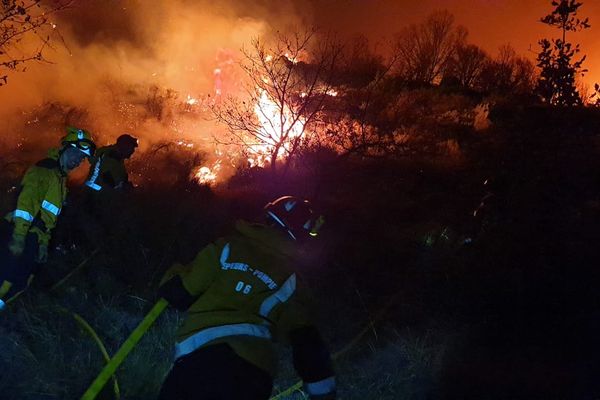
(151, 69)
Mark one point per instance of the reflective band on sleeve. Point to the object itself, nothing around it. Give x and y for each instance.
(46, 205)
(93, 185)
(321, 387)
(92, 181)
(199, 339)
(23, 215)
(281, 296)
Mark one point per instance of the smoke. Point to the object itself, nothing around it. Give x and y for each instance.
(131, 66)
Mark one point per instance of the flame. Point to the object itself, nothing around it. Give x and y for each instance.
(191, 101)
(292, 59)
(207, 175)
(218, 82)
(273, 128)
(184, 143)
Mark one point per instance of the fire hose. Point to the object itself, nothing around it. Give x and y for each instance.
(63, 280)
(92, 333)
(135, 336)
(112, 365)
(298, 385)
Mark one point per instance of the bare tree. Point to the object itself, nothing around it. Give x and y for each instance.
(359, 63)
(424, 50)
(19, 21)
(507, 73)
(287, 86)
(466, 65)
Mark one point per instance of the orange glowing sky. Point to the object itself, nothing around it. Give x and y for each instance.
(115, 51)
(491, 23)
(176, 43)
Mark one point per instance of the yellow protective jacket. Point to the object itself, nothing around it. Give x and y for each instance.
(107, 170)
(43, 193)
(242, 290)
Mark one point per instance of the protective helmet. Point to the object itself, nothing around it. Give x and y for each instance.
(295, 216)
(127, 140)
(80, 139)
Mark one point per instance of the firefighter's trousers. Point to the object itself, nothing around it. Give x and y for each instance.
(216, 373)
(16, 272)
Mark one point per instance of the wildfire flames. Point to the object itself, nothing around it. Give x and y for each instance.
(274, 123)
(206, 175)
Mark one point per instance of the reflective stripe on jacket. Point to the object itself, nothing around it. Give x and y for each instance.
(245, 281)
(107, 170)
(43, 193)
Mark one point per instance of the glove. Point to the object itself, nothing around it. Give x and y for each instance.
(16, 245)
(42, 255)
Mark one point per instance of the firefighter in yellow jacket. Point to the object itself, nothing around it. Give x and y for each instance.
(107, 172)
(43, 192)
(241, 294)
(104, 200)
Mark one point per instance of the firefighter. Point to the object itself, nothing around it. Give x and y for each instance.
(40, 201)
(105, 198)
(240, 294)
(107, 171)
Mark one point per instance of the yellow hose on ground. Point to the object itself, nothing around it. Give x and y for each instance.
(135, 336)
(62, 281)
(88, 328)
(298, 385)
(77, 268)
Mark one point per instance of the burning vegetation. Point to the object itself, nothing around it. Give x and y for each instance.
(459, 184)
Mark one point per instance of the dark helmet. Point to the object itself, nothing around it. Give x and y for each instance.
(127, 140)
(80, 139)
(295, 216)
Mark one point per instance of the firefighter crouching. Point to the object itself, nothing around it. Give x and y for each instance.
(241, 293)
(42, 194)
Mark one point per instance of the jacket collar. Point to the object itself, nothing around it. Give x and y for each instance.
(268, 236)
(52, 161)
(54, 154)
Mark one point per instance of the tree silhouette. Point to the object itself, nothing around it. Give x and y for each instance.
(425, 50)
(25, 32)
(559, 68)
(594, 98)
(507, 74)
(466, 65)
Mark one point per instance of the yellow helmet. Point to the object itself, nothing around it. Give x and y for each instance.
(80, 139)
